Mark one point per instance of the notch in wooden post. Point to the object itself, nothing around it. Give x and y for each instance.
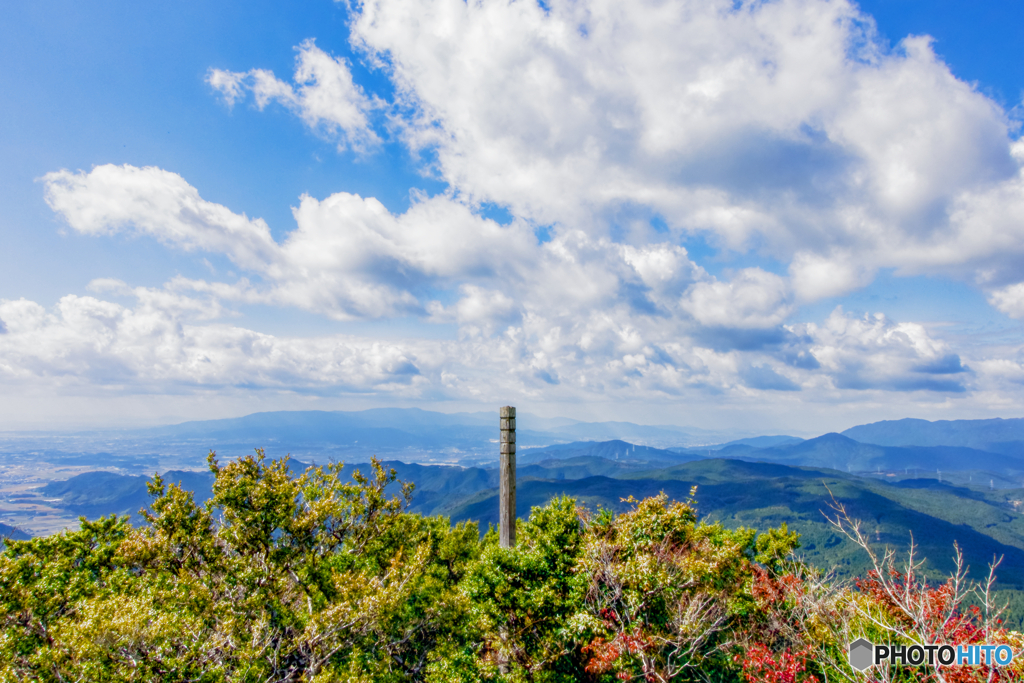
(507, 493)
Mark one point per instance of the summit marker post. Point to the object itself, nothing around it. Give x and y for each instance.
(507, 492)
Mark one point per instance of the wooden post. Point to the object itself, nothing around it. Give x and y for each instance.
(507, 494)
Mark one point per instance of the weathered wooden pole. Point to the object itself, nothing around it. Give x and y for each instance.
(507, 495)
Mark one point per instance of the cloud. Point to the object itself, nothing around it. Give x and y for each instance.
(763, 377)
(324, 95)
(786, 126)
(104, 285)
(783, 133)
(87, 341)
(483, 310)
(873, 352)
(349, 257)
(230, 84)
(167, 340)
(582, 314)
(817, 276)
(950, 364)
(157, 203)
(1009, 300)
(753, 299)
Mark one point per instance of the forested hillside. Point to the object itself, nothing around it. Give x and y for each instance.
(325, 575)
(985, 523)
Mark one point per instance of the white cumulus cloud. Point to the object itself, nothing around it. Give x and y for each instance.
(158, 203)
(873, 352)
(785, 125)
(612, 133)
(323, 95)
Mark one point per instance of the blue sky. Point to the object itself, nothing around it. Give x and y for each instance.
(783, 216)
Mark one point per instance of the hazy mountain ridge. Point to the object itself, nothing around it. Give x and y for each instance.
(411, 428)
(468, 438)
(840, 452)
(614, 449)
(980, 434)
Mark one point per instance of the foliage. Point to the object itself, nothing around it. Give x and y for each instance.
(323, 577)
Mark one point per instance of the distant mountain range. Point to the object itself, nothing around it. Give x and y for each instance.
(615, 449)
(465, 437)
(996, 435)
(840, 452)
(942, 481)
(413, 435)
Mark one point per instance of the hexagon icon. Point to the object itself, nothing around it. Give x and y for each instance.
(861, 654)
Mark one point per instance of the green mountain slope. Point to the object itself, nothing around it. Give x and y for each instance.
(759, 495)
(96, 494)
(736, 492)
(7, 531)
